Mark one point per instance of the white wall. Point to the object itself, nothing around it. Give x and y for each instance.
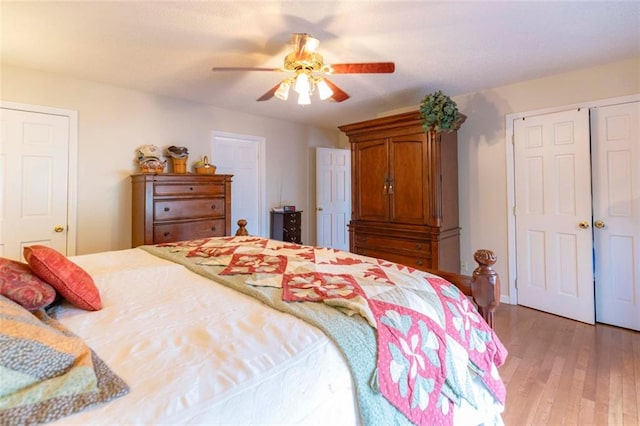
(113, 122)
(482, 145)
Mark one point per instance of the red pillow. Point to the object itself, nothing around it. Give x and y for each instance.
(18, 283)
(70, 280)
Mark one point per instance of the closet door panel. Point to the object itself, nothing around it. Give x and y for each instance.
(616, 210)
(553, 214)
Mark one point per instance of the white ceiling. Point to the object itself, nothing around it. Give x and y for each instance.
(169, 48)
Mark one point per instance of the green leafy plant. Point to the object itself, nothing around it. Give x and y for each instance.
(439, 113)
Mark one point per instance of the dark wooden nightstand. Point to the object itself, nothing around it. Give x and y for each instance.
(285, 226)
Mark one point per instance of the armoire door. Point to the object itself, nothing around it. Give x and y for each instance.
(370, 193)
(615, 144)
(407, 179)
(553, 214)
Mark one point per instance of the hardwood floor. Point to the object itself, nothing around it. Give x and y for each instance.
(561, 371)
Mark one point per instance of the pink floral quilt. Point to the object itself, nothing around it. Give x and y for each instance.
(431, 341)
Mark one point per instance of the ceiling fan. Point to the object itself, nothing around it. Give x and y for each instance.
(308, 72)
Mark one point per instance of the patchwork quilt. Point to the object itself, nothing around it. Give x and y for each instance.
(411, 338)
(47, 372)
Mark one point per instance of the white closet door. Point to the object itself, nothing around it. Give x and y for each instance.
(243, 157)
(616, 213)
(553, 214)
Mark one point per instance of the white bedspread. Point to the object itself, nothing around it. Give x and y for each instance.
(193, 351)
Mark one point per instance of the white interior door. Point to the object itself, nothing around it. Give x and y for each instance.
(616, 212)
(333, 197)
(553, 214)
(34, 158)
(243, 157)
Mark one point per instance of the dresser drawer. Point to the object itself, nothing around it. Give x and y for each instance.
(170, 232)
(292, 220)
(416, 262)
(187, 189)
(417, 248)
(292, 235)
(188, 209)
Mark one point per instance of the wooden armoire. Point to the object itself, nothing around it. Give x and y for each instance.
(404, 185)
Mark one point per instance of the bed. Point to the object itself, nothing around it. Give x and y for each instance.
(246, 330)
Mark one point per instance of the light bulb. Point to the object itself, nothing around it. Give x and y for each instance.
(324, 91)
(283, 90)
(302, 84)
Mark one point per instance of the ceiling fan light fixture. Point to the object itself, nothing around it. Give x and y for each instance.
(283, 90)
(304, 64)
(324, 91)
(304, 99)
(303, 83)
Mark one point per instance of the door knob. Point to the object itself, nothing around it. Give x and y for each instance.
(599, 224)
(58, 228)
(319, 209)
(583, 225)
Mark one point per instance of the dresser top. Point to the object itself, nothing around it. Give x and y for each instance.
(179, 177)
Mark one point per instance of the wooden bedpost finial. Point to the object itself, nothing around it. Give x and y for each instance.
(242, 228)
(486, 285)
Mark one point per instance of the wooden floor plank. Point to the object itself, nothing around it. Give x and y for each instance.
(563, 372)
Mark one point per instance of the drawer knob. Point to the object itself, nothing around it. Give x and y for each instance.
(419, 246)
(419, 263)
(213, 228)
(166, 209)
(213, 206)
(166, 234)
(191, 188)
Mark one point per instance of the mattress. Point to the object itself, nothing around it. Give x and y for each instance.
(193, 351)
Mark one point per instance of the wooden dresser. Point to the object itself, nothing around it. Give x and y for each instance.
(286, 226)
(404, 193)
(175, 207)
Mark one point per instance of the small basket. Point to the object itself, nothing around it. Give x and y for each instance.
(179, 165)
(151, 169)
(206, 168)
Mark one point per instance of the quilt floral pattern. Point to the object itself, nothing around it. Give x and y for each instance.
(431, 340)
(316, 287)
(255, 263)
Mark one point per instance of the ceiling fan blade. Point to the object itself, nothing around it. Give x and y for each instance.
(244, 69)
(269, 94)
(362, 68)
(303, 44)
(339, 95)
(298, 40)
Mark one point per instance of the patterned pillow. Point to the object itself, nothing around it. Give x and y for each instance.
(19, 284)
(70, 280)
(46, 372)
